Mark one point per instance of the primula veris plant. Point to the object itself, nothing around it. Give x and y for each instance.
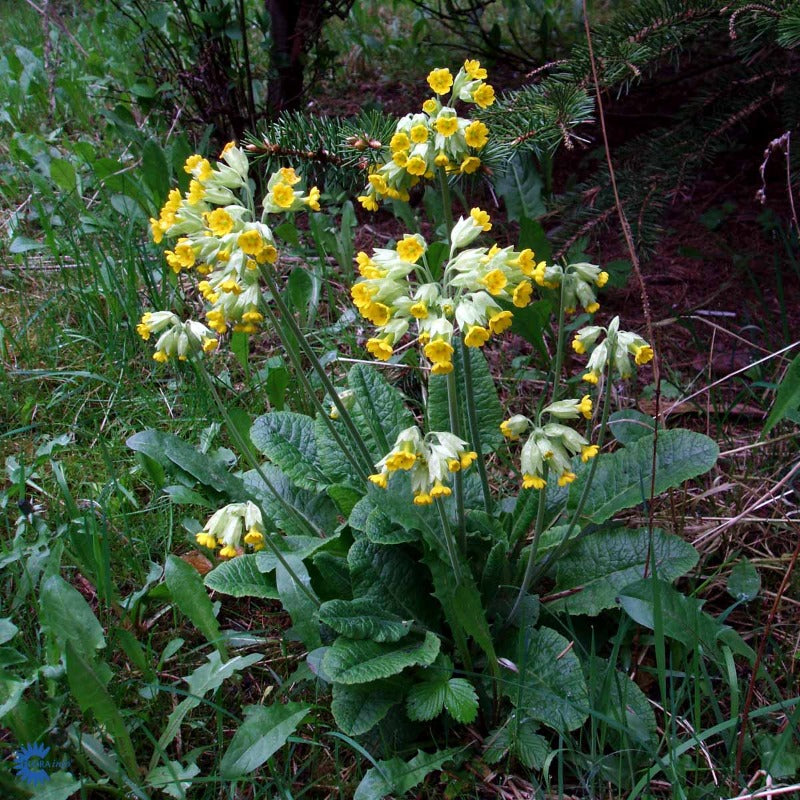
(410, 561)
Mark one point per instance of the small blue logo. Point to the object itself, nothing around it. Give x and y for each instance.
(30, 764)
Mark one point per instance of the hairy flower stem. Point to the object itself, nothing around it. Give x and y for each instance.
(294, 357)
(474, 431)
(248, 455)
(559, 362)
(537, 532)
(344, 414)
(458, 478)
(447, 205)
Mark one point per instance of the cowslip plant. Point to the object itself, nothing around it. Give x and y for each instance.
(432, 587)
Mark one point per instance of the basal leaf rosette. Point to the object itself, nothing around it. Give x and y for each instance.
(435, 137)
(219, 240)
(430, 461)
(551, 445)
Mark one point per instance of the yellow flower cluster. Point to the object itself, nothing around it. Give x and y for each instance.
(434, 138)
(468, 298)
(551, 445)
(229, 525)
(176, 338)
(625, 344)
(218, 237)
(430, 461)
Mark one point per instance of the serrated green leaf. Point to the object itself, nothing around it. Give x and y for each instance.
(264, 731)
(173, 778)
(683, 619)
(241, 577)
(426, 700)
(344, 496)
(549, 685)
(69, 617)
(60, 786)
(379, 412)
(461, 700)
(600, 565)
(358, 708)
(362, 619)
(487, 405)
(787, 399)
(332, 460)
(190, 596)
(396, 776)
(361, 661)
(289, 441)
(623, 478)
(88, 688)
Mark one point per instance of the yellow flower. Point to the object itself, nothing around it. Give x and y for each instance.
(399, 141)
(422, 499)
(592, 307)
(251, 242)
(522, 294)
(206, 540)
(533, 482)
(410, 249)
(643, 354)
(470, 164)
(416, 166)
(230, 285)
(400, 158)
(476, 336)
(483, 95)
(495, 281)
(602, 279)
(467, 458)
(288, 175)
(578, 346)
(419, 311)
(377, 313)
(400, 460)
(380, 348)
(430, 105)
(527, 262)
(419, 134)
(446, 126)
(589, 451)
(312, 201)
(476, 134)
(378, 183)
(439, 351)
(157, 230)
(500, 321)
(282, 195)
(209, 345)
(566, 478)
(440, 80)
(368, 202)
(219, 222)
(362, 294)
(379, 479)
(196, 193)
(228, 147)
(585, 406)
(474, 69)
(441, 160)
(442, 368)
(440, 490)
(268, 254)
(591, 377)
(481, 218)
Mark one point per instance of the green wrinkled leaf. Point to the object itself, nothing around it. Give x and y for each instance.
(361, 618)
(314, 507)
(682, 619)
(379, 529)
(288, 440)
(190, 596)
(622, 479)
(300, 547)
(60, 786)
(379, 412)
(264, 731)
(487, 405)
(521, 740)
(461, 700)
(549, 686)
(629, 425)
(69, 617)
(361, 661)
(241, 577)
(605, 562)
(301, 608)
(358, 708)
